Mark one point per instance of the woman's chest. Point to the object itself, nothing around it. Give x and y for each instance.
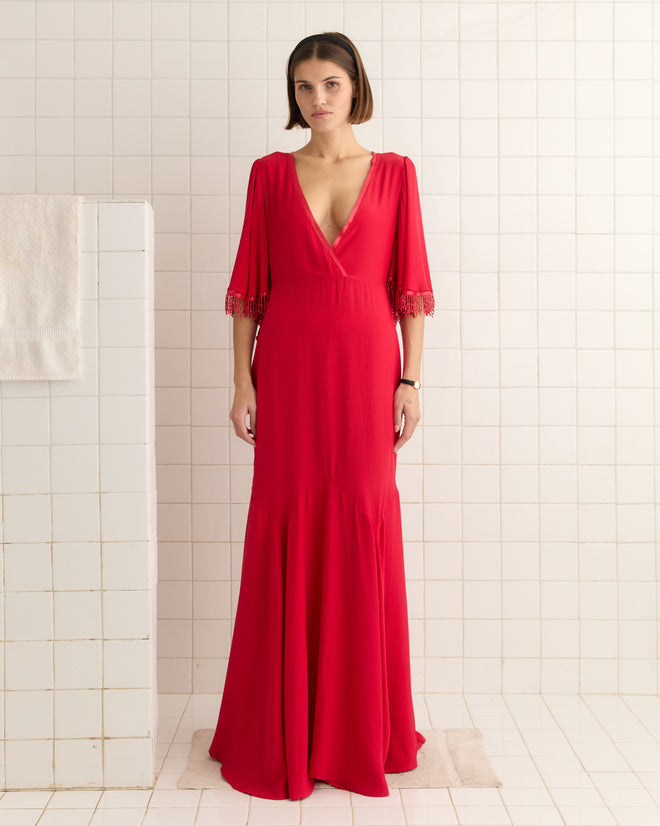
(332, 191)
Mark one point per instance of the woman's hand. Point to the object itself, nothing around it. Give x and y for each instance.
(245, 403)
(406, 403)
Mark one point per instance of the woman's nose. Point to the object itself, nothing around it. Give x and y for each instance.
(319, 97)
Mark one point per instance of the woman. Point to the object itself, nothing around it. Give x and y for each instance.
(331, 255)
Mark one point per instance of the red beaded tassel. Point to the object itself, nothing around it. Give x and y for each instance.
(246, 307)
(410, 304)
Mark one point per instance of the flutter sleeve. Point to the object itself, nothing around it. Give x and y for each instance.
(409, 280)
(249, 285)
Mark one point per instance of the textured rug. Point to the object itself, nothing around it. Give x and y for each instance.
(450, 757)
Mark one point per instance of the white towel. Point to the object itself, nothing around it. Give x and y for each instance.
(40, 287)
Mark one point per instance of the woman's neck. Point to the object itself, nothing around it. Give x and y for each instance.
(333, 146)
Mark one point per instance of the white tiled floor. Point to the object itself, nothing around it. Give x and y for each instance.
(589, 760)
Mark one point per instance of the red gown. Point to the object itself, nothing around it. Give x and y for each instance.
(318, 680)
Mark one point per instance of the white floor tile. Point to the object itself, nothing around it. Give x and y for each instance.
(425, 797)
(66, 817)
(167, 780)
(626, 797)
(475, 797)
(175, 798)
(636, 815)
(535, 816)
(483, 816)
(327, 816)
(587, 816)
(577, 797)
(222, 817)
(651, 780)
(170, 817)
(24, 800)
(74, 799)
(378, 816)
(125, 816)
(223, 798)
(271, 816)
(525, 796)
(19, 817)
(124, 798)
(291, 806)
(431, 816)
(567, 779)
(616, 780)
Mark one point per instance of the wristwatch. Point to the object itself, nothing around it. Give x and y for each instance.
(415, 384)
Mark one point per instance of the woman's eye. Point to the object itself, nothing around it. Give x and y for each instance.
(304, 87)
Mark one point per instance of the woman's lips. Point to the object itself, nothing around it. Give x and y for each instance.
(320, 114)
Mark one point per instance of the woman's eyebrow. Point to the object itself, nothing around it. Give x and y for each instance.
(332, 77)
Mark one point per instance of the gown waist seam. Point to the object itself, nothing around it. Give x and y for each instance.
(392, 501)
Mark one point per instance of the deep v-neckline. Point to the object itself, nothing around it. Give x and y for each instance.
(332, 247)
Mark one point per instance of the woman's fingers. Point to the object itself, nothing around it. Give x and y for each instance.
(244, 432)
(243, 407)
(398, 410)
(399, 423)
(250, 430)
(406, 416)
(241, 428)
(406, 433)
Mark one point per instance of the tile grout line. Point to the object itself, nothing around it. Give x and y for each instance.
(578, 543)
(191, 360)
(459, 389)
(502, 629)
(616, 414)
(654, 444)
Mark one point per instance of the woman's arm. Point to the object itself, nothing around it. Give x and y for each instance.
(406, 398)
(245, 395)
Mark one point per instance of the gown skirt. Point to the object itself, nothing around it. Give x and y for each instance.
(318, 682)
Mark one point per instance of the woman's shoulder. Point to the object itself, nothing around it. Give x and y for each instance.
(398, 163)
(394, 158)
(271, 159)
(270, 168)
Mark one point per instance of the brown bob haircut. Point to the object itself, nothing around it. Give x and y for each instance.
(363, 104)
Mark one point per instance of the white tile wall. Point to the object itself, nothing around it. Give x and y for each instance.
(529, 492)
(79, 546)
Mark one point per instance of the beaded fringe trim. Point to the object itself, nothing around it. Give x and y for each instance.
(246, 307)
(409, 304)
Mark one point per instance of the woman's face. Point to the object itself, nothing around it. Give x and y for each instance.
(324, 93)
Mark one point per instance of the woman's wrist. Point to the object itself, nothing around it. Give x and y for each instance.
(243, 381)
(411, 382)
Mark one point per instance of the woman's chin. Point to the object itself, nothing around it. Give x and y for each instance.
(325, 124)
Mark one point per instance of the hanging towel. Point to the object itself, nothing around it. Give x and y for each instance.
(40, 287)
